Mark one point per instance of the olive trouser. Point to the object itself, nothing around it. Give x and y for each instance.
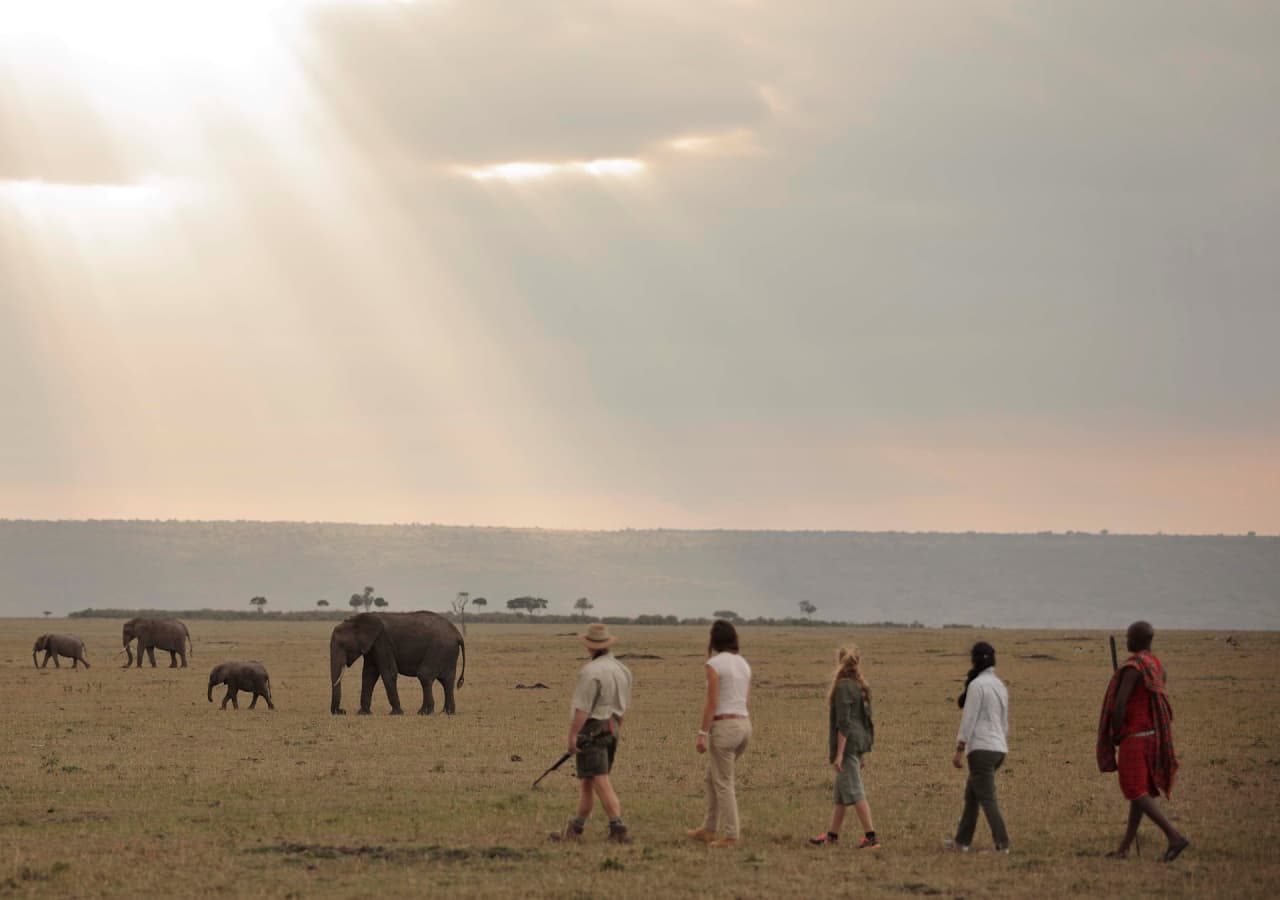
(980, 790)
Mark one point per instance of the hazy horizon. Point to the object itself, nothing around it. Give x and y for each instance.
(1031, 580)
(874, 266)
(623, 529)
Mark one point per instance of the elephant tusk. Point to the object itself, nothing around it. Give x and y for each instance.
(339, 678)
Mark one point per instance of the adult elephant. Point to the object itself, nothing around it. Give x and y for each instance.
(153, 634)
(250, 677)
(422, 643)
(56, 645)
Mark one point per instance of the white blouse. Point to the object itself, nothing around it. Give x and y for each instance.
(735, 683)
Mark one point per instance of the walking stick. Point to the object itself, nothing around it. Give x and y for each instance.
(555, 765)
(1115, 667)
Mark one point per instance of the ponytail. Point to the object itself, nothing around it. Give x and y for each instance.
(982, 657)
(849, 665)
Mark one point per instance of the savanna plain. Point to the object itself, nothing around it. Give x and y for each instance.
(130, 782)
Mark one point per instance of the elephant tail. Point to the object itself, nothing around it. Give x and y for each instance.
(462, 645)
(191, 647)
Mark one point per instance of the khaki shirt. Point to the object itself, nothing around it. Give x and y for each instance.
(850, 715)
(604, 688)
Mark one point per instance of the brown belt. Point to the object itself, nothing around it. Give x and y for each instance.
(728, 716)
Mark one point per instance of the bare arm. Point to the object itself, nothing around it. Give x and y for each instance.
(575, 725)
(1128, 680)
(708, 709)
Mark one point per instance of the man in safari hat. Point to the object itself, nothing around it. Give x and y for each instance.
(599, 702)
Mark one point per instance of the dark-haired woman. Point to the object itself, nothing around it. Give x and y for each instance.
(723, 733)
(984, 740)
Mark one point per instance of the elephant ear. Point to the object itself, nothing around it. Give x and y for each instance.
(366, 628)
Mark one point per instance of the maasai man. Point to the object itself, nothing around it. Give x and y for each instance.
(1137, 721)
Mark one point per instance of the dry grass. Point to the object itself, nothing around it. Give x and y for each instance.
(122, 782)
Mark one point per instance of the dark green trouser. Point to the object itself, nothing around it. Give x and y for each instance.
(980, 790)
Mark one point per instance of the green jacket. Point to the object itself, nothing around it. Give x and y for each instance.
(850, 715)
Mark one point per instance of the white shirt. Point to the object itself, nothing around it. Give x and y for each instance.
(735, 683)
(985, 723)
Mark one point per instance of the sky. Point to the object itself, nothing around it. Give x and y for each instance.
(882, 265)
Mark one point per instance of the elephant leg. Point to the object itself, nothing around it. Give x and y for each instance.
(56, 664)
(75, 662)
(235, 704)
(267, 695)
(44, 663)
(393, 693)
(173, 660)
(151, 654)
(368, 678)
(428, 698)
(85, 661)
(227, 698)
(183, 654)
(253, 704)
(447, 681)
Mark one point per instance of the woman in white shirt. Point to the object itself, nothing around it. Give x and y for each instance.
(724, 733)
(984, 740)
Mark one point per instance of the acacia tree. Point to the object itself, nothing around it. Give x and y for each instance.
(367, 598)
(459, 606)
(380, 603)
(479, 601)
(259, 602)
(528, 604)
(355, 601)
(726, 614)
(322, 603)
(47, 613)
(808, 608)
(583, 604)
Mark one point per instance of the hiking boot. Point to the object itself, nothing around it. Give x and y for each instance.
(724, 843)
(618, 834)
(950, 845)
(570, 833)
(826, 839)
(701, 834)
(869, 843)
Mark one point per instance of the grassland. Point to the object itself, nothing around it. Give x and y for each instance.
(129, 782)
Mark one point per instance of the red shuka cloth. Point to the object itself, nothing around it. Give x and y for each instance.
(1164, 761)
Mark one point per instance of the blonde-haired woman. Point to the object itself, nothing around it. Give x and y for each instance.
(850, 735)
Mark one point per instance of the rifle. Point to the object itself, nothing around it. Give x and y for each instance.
(555, 765)
(1115, 667)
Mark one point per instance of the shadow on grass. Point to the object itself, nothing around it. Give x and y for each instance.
(396, 854)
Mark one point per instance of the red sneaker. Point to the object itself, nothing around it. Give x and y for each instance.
(826, 839)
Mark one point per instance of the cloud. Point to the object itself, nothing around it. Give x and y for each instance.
(489, 80)
(50, 131)
(539, 171)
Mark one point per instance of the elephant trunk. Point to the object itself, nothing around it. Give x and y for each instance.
(129, 652)
(337, 666)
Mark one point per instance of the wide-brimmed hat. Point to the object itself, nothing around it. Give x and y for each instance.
(597, 636)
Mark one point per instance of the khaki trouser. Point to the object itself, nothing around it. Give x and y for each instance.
(728, 741)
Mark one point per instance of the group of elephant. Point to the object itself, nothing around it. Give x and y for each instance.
(422, 644)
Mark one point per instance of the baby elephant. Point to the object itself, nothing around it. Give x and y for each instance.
(56, 645)
(241, 676)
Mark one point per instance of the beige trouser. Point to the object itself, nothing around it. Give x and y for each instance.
(728, 741)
